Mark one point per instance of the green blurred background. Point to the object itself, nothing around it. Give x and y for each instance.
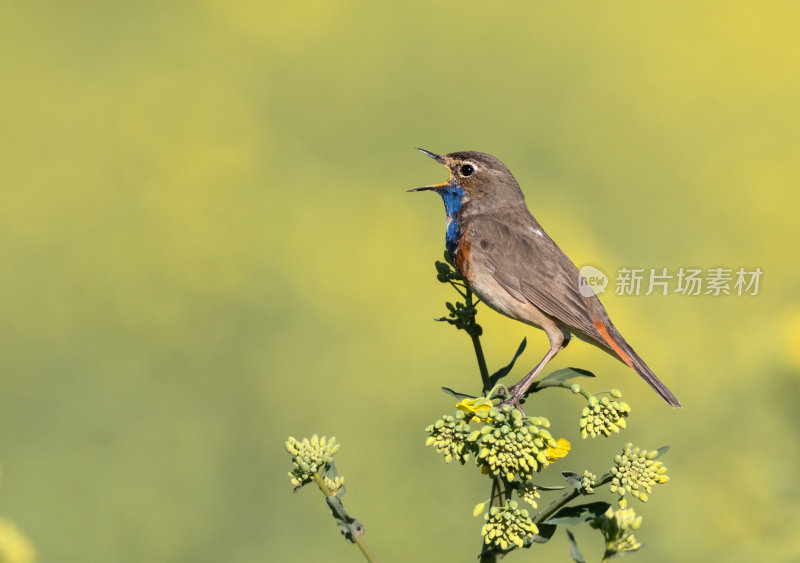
(206, 246)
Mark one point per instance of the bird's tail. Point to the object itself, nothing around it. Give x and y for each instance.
(625, 353)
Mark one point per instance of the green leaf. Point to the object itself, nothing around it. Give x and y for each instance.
(572, 478)
(556, 488)
(661, 451)
(349, 526)
(330, 470)
(458, 395)
(574, 552)
(573, 515)
(546, 532)
(502, 372)
(567, 374)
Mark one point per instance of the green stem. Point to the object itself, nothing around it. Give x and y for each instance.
(555, 506)
(608, 553)
(564, 499)
(359, 540)
(499, 490)
(490, 557)
(456, 287)
(544, 384)
(476, 343)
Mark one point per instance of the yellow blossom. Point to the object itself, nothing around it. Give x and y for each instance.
(561, 450)
(479, 407)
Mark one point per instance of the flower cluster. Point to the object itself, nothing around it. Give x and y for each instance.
(588, 482)
(512, 446)
(603, 416)
(310, 457)
(448, 436)
(529, 493)
(508, 526)
(617, 527)
(636, 471)
(334, 484)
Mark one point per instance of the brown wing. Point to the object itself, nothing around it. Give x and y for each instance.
(530, 266)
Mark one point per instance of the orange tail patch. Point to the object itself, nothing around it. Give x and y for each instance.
(601, 328)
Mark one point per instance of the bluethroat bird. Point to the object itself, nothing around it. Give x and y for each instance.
(514, 267)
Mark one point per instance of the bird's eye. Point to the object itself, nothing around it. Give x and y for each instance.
(467, 170)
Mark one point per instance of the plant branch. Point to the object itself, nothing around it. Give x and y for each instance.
(476, 343)
(358, 539)
(564, 499)
(474, 331)
(542, 384)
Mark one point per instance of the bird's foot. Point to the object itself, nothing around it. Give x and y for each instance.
(511, 397)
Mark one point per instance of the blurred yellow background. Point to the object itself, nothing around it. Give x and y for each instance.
(206, 246)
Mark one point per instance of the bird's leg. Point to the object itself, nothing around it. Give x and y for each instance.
(519, 389)
(558, 341)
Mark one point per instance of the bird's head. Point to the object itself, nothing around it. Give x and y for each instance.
(477, 178)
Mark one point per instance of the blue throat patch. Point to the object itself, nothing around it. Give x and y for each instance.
(452, 195)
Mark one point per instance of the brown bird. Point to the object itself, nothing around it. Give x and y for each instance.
(508, 260)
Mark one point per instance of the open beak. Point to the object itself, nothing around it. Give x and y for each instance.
(423, 188)
(434, 156)
(438, 159)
